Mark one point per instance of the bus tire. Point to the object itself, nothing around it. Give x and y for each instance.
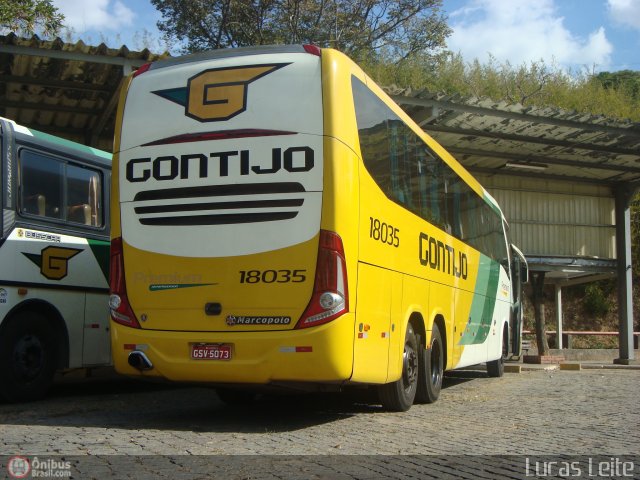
(431, 369)
(495, 368)
(28, 353)
(398, 396)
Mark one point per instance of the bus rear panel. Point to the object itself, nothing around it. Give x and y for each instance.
(220, 175)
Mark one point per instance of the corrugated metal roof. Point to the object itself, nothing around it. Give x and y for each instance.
(65, 89)
(510, 139)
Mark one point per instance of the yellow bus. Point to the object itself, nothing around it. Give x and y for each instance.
(279, 221)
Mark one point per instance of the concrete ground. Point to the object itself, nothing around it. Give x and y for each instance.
(110, 427)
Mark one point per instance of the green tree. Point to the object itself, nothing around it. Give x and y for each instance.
(26, 17)
(393, 29)
(628, 80)
(533, 84)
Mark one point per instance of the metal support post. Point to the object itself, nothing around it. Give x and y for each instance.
(623, 195)
(558, 316)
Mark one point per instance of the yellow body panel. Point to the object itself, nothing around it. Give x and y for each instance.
(257, 357)
(218, 281)
(373, 324)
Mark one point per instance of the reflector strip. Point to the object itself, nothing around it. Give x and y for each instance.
(300, 349)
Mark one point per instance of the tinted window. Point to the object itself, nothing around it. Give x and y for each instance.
(411, 174)
(58, 190)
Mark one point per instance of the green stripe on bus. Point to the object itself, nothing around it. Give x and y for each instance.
(492, 204)
(483, 304)
(100, 250)
(70, 144)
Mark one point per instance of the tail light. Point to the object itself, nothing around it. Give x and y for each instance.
(142, 69)
(312, 49)
(330, 297)
(121, 311)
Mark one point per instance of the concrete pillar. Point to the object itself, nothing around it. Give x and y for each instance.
(623, 195)
(558, 316)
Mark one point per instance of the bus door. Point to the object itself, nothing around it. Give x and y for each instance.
(519, 276)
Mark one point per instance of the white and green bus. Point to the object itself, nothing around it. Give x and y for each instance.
(54, 259)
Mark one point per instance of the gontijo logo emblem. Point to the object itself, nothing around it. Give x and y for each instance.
(219, 93)
(53, 261)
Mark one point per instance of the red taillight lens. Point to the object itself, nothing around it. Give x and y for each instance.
(330, 297)
(142, 69)
(312, 49)
(121, 311)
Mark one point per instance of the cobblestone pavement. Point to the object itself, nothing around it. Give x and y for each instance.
(536, 414)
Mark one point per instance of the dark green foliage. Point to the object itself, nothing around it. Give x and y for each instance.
(26, 17)
(361, 28)
(627, 80)
(596, 301)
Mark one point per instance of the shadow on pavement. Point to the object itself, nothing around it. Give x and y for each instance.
(111, 401)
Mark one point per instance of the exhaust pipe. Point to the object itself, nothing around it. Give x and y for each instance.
(139, 361)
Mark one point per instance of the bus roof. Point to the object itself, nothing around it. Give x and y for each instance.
(104, 158)
(230, 52)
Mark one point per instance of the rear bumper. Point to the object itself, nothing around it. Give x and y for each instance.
(324, 354)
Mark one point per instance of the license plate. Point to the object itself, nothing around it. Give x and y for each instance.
(210, 351)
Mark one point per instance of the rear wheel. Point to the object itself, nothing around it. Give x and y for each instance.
(495, 368)
(398, 396)
(431, 369)
(28, 353)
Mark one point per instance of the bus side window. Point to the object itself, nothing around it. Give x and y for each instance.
(45, 180)
(455, 200)
(41, 184)
(34, 204)
(83, 196)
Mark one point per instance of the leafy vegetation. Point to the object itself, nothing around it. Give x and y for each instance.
(360, 28)
(26, 17)
(627, 80)
(536, 83)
